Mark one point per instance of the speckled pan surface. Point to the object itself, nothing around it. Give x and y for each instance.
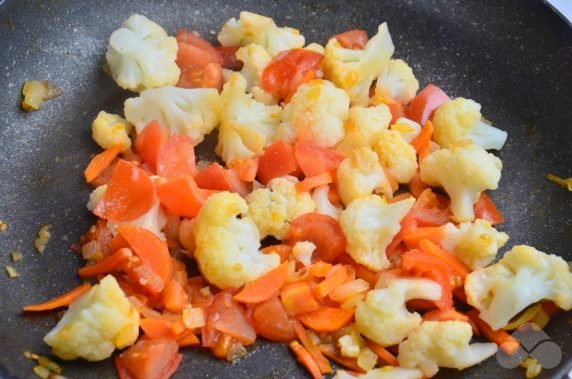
(512, 56)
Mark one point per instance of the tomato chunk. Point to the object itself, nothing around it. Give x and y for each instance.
(149, 142)
(276, 161)
(272, 322)
(352, 39)
(323, 231)
(227, 316)
(149, 359)
(424, 104)
(176, 157)
(315, 160)
(182, 196)
(199, 61)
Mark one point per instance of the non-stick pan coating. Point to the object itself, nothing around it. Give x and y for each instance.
(512, 56)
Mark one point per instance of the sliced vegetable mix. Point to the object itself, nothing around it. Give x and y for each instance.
(346, 218)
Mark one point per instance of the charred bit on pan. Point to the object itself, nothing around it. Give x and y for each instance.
(36, 92)
(44, 236)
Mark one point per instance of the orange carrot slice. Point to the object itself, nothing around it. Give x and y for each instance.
(60, 301)
(100, 162)
(264, 287)
(326, 319)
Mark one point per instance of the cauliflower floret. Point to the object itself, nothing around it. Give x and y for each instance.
(315, 47)
(260, 95)
(386, 372)
(261, 30)
(227, 247)
(193, 112)
(383, 316)
(408, 129)
(443, 344)
(95, 324)
(247, 126)
(397, 82)
(316, 113)
(464, 173)
(95, 196)
(396, 155)
(369, 224)
(303, 251)
(476, 244)
(521, 278)
(369, 121)
(153, 220)
(360, 175)
(108, 130)
(274, 207)
(141, 55)
(323, 204)
(254, 59)
(461, 119)
(355, 70)
(353, 345)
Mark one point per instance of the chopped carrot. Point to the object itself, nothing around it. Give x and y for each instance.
(424, 136)
(282, 250)
(452, 261)
(264, 287)
(361, 272)
(188, 338)
(306, 359)
(60, 301)
(155, 328)
(245, 168)
(298, 298)
(314, 181)
(431, 233)
(174, 296)
(114, 262)
(382, 353)
(330, 351)
(484, 208)
(319, 269)
(100, 162)
(326, 319)
(337, 276)
(312, 348)
(505, 341)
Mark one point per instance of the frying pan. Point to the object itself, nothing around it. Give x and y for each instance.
(512, 56)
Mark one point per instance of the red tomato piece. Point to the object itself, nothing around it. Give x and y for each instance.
(149, 142)
(485, 209)
(149, 359)
(229, 60)
(276, 161)
(129, 194)
(195, 51)
(280, 74)
(352, 39)
(227, 316)
(209, 76)
(177, 157)
(315, 160)
(182, 196)
(424, 104)
(272, 322)
(323, 231)
(215, 177)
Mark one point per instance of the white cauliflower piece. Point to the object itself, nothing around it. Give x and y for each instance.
(193, 112)
(274, 207)
(443, 344)
(522, 277)
(254, 59)
(323, 204)
(353, 345)
(386, 372)
(464, 173)
(315, 47)
(141, 55)
(355, 70)
(397, 82)
(369, 121)
(95, 324)
(109, 130)
(383, 316)
(461, 119)
(316, 113)
(303, 251)
(476, 243)
(153, 220)
(260, 95)
(396, 155)
(95, 196)
(227, 247)
(369, 224)
(408, 129)
(247, 126)
(360, 175)
(261, 30)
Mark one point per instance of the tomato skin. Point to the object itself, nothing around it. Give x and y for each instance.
(215, 177)
(176, 157)
(424, 104)
(315, 160)
(228, 317)
(272, 322)
(352, 39)
(290, 69)
(149, 142)
(199, 61)
(485, 208)
(277, 160)
(323, 231)
(149, 359)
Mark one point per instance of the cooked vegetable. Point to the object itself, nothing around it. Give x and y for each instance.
(141, 55)
(368, 121)
(60, 301)
(36, 92)
(44, 236)
(396, 155)
(11, 272)
(463, 172)
(109, 130)
(397, 82)
(461, 119)
(386, 372)
(95, 324)
(565, 183)
(522, 277)
(254, 58)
